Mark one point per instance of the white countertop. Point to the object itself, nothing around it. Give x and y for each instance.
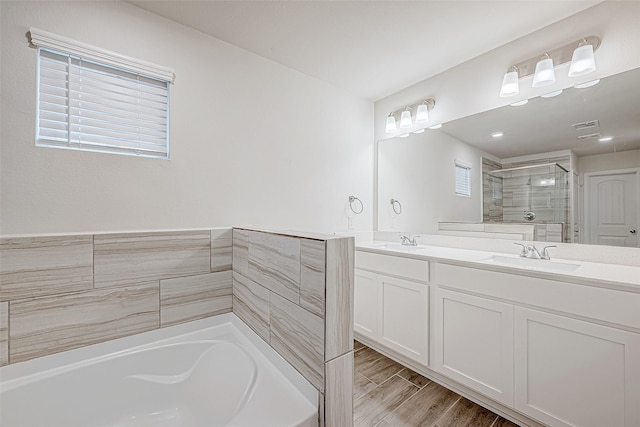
(620, 277)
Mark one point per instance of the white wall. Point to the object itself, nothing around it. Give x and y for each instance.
(252, 142)
(610, 161)
(419, 172)
(474, 86)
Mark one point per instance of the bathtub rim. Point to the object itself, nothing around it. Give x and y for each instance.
(58, 363)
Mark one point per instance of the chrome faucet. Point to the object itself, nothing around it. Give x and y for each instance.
(408, 241)
(530, 251)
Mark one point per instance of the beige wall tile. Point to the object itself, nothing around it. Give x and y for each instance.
(312, 259)
(251, 304)
(48, 325)
(339, 297)
(274, 262)
(184, 299)
(4, 333)
(298, 336)
(37, 266)
(241, 251)
(221, 249)
(121, 259)
(338, 401)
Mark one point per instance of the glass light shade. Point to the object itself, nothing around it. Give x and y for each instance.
(583, 61)
(510, 86)
(391, 124)
(405, 119)
(422, 113)
(544, 75)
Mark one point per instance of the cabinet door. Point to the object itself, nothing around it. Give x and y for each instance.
(574, 373)
(365, 304)
(474, 343)
(404, 322)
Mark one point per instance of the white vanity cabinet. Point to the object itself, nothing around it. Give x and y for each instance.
(570, 372)
(474, 343)
(391, 303)
(561, 353)
(365, 307)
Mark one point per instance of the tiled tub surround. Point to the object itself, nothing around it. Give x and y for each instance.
(63, 292)
(296, 292)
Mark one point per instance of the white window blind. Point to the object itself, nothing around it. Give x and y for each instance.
(463, 178)
(111, 104)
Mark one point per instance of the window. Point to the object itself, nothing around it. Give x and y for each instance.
(463, 178)
(111, 105)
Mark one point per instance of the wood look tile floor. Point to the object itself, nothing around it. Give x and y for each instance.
(386, 394)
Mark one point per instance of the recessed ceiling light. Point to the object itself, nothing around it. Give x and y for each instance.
(419, 131)
(404, 135)
(498, 134)
(551, 94)
(586, 84)
(438, 126)
(519, 103)
(605, 139)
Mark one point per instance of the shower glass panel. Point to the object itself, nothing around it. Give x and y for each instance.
(529, 194)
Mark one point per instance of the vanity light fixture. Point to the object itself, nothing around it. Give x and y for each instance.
(391, 123)
(605, 139)
(551, 94)
(520, 103)
(404, 135)
(586, 84)
(434, 127)
(498, 134)
(545, 75)
(405, 119)
(422, 109)
(422, 113)
(583, 61)
(419, 131)
(542, 66)
(510, 84)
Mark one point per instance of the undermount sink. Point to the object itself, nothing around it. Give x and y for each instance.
(536, 264)
(399, 247)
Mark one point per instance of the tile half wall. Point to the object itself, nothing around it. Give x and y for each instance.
(296, 292)
(64, 292)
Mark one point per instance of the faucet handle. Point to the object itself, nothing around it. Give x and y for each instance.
(545, 253)
(523, 252)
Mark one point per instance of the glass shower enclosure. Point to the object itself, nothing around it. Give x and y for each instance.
(528, 194)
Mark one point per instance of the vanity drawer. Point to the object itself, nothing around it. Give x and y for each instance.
(606, 305)
(408, 268)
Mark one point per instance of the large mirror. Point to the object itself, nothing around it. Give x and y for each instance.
(566, 168)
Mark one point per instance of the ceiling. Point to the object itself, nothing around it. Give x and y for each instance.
(545, 125)
(370, 48)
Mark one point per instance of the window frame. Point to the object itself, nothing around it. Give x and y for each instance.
(129, 113)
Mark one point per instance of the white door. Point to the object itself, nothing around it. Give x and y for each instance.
(474, 343)
(365, 304)
(405, 317)
(572, 373)
(612, 209)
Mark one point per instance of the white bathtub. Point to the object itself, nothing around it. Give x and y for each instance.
(212, 372)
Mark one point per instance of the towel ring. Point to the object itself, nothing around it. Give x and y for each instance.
(353, 199)
(396, 206)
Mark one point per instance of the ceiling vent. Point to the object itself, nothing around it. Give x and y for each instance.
(590, 136)
(586, 125)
